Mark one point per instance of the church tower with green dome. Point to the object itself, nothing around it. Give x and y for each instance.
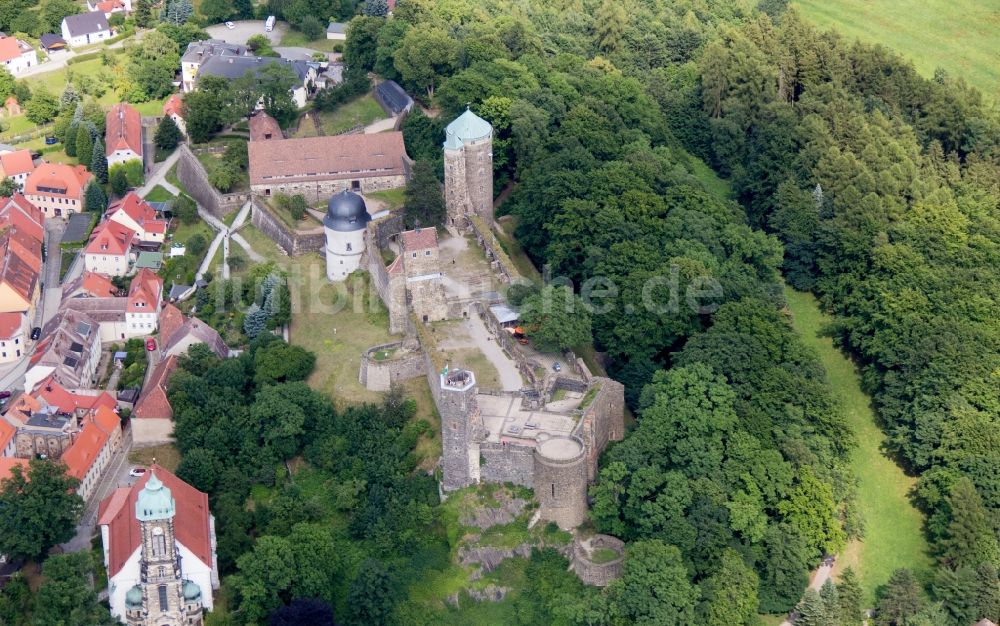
(468, 170)
(161, 597)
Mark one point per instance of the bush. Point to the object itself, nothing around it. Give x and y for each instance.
(224, 177)
(311, 27)
(134, 173)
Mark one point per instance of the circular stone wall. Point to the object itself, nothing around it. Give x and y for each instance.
(561, 480)
(590, 560)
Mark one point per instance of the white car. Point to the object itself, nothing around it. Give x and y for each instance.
(230, 25)
(137, 472)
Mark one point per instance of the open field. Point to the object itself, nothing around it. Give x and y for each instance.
(893, 534)
(296, 39)
(961, 36)
(166, 455)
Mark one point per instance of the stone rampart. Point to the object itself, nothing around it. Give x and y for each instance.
(401, 364)
(505, 463)
(194, 181)
(293, 242)
(597, 572)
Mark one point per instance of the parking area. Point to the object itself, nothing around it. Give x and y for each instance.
(245, 29)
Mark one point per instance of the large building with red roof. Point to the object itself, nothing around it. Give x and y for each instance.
(57, 189)
(135, 213)
(16, 165)
(159, 550)
(21, 237)
(16, 55)
(153, 417)
(142, 309)
(123, 134)
(110, 249)
(93, 448)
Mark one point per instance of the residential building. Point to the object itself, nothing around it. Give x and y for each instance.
(198, 52)
(109, 250)
(233, 67)
(84, 29)
(57, 189)
(178, 333)
(145, 296)
(52, 42)
(159, 551)
(319, 167)
(174, 109)
(89, 285)
(16, 55)
(21, 237)
(109, 7)
(13, 336)
(336, 31)
(8, 463)
(69, 354)
(7, 445)
(263, 127)
(16, 165)
(93, 448)
(123, 134)
(136, 214)
(153, 417)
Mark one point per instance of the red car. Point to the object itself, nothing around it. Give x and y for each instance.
(151, 344)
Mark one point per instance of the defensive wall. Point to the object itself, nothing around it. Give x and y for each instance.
(293, 242)
(194, 180)
(598, 573)
(390, 363)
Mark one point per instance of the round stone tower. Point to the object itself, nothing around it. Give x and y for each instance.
(561, 479)
(345, 222)
(468, 169)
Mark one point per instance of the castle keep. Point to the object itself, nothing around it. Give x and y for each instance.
(468, 169)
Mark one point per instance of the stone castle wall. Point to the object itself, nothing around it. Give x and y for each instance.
(503, 268)
(602, 421)
(597, 574)
(561, 485)
(321, 189)
(503, 463)
(380, 375)
(293, 242)
(194, 181)
(392, 291)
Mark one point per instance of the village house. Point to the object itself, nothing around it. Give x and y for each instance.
(57, 189)
(174, 109)
(13, 336)
(16, 55)
(153, 417)
(109, 7)
(232, 67)
(21, 236)
(68, 353)
(178, 333)
(198, 52)
(89, 285)
(123, 134)
(318, 167)
(119, 318)
(145, 296)
(109, 250)
(84, 29)
(139, 216)
(93, 448)
(159, 551)
(16, 165)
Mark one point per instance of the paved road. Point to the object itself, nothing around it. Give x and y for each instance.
(297, 54)
(381, 126)
(245, 29)
(116, 474)
(158, 176)
(510, 377)
(57, 60)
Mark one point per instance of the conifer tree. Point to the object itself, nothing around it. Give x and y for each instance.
(167, 134)
(969, 540)
(849, 599)
(99, 162)
(84, 144)
(811, 610)
(94, 199)
(69, 138)
(987, 592)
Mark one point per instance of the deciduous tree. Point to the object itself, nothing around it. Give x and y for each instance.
(39, 508)
(167, 134)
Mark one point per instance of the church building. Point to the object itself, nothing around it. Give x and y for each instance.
(159, 551)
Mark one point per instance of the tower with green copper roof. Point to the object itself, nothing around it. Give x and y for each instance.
(468, 169)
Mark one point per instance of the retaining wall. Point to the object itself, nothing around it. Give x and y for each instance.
(597, 574)
(194, 181)
(380, 375)
(293, 242)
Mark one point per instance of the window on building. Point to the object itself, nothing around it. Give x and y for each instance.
(159, 545)
(348, 247)
(162, 589)
(414, 255)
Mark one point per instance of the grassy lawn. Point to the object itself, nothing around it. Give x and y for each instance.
(184, 232)
(893, 534)
(362, 110)
(159, 194)
(514, 250)
(393, 198)
(294, 38)
(166, 455)
(16, 125)
(960, 36)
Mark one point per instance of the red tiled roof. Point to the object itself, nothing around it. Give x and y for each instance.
(11, 324)
(153, 402)
(124, 129)
(173, 105)
(139, 211)
(57, 176)
(283, 161)
(7, 432)
(263, 127)
(58, 396)
(145, 291)
(171, 319)
(8, 462)
(17, 162)
(80, 456)
(9, 49)
(192, 519)
(19, 212)
(396, 267)
(110, 238)
(419, 239)
(109, 6)
(97, 285)
(15, 271)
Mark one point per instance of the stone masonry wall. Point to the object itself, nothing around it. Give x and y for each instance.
(316, 190)
(502, 463)
(293, 242)
(194, 181)
(597, 574)
(602, 421)
(380, 375)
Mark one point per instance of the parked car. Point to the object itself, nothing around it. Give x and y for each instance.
(36, 332)
(151, 344)
(137, 472)
(230, 25)
(269, 24)
(50, 140)
(557, 366)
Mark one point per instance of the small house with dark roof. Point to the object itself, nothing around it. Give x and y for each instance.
(84, 29)
(52, 42)
(336, 31)
(393, 99)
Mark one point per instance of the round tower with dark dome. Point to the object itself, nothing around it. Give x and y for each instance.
(345, 222)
